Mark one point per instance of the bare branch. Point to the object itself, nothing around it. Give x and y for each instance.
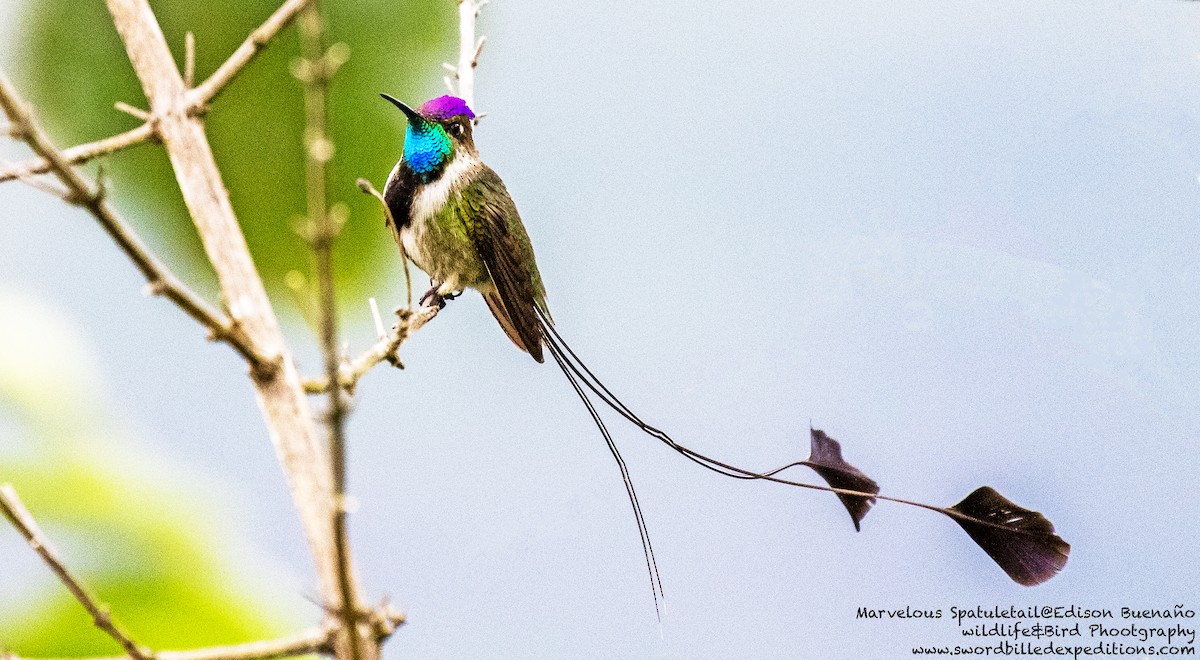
(383, 621)
(478, 51)
(136, 113)
(20, 518)
(81, 153)
(91, 197)
(349, 373)
(199, 97)
(43, 183)
(206, 91)
(175, 118)
(376, 318)
(468, 49)
(315, 640)
(318, 67)
(189, 60)
(281, 396)
(308, 642)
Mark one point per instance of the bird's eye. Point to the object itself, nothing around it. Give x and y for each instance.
(456, 129)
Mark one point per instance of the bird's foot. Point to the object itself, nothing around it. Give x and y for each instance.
(433, 297)
(436, 296)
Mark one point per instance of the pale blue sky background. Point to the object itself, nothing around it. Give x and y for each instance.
(959, 237)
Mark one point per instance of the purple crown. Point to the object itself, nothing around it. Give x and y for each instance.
(445, 107)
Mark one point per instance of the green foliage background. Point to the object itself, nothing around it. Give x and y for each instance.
(143, 534)
(74, 67)
(150, 547)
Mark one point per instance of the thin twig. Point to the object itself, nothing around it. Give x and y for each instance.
(316, 72)
(379, 331)
(20, 518)
(351, 372)
(43, 183)
(478, 51)
(313, 641)
(206, 91)
(384, 620)
(135, 112)
(189, 60)
(366, 187)
(91, 197)
(80, 153)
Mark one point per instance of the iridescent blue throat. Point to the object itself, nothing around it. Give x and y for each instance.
(427, 149)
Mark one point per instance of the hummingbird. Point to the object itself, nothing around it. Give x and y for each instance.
(456, 221)
(454, 218)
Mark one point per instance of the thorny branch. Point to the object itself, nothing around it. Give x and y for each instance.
(92, 198)
(16, 513)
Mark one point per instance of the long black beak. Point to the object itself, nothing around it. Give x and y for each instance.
(415, 119)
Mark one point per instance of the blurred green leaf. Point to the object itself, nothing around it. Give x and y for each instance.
(144, 536)
(43, 364)
(75, 68)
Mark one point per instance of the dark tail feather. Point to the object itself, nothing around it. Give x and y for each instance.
(643, 533)
(577, 372)
(522, 341)
(1021, 541)
(580, 370)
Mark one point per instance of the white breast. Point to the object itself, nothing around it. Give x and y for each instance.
(433, 196)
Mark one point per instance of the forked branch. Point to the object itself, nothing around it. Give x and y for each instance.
(281, 396)
(175, 118)
(205, 92)
(350, 372)
(198, 99)
(91, 197)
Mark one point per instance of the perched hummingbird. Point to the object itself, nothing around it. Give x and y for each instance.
(456, 221)
(454, 218)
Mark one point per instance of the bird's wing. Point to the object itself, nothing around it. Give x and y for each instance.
(491, 220)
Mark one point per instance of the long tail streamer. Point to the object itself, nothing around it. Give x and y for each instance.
(1019, 540)
(577, 372)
